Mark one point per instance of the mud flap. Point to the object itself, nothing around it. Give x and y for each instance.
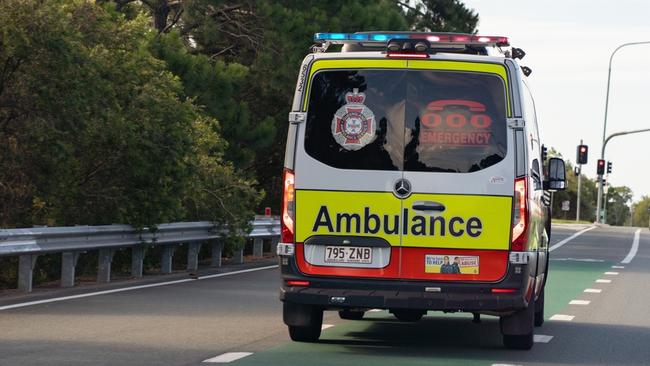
(300, 315)
(519, 323)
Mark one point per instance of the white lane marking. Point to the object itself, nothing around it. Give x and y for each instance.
(579, 302)
(124, 289)
(562, 242)
(562, 317)
(541, 338)
(228, 357)
(634, 249)
(325, 326)
(375, 310)
(593, 290)
(612, 273)
(504, 364)
(618, 267)
(600, 280)
(578, 259)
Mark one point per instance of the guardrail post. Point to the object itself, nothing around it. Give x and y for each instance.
(193, 250)
(137, 257)
(217, 250)
(104, 265)
(274, 244)
(166, 259)
(238, 256)
(258, 247)
(68, 268)
(26, 264)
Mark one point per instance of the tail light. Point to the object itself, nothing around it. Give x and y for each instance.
(520, 217)
(288, 208)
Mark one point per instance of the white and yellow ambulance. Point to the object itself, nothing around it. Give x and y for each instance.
(415, 180)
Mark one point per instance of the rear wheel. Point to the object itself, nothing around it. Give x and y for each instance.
(407, 315)
(539, 310)
(517, 329)
(304, 322)
(351, 314)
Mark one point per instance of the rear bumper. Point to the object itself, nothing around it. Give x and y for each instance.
(367, 293)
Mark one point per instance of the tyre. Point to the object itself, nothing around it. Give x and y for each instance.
(517, 328)
(405, 315)
(351, 314)
(539, 310)
(307, 323)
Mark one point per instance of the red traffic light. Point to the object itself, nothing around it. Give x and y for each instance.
(583, 152)
(600, 169)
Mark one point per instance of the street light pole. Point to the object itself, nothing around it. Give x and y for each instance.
(602, 154)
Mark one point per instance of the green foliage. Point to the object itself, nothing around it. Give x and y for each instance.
(441, 16)
(618, 205)
(641, 212)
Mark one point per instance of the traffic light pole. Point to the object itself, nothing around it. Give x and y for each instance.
(599, 218)
(579, 188)
(602, 155)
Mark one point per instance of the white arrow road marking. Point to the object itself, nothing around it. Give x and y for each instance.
(562, 317)
(600, 280)
(593, 290)
(634, 249)
(561, 243)
(541, 338)
(579, 302)
(325, 326)
(228, 357)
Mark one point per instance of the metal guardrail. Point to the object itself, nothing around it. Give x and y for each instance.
(29, 243)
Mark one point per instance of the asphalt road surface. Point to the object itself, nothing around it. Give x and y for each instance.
(236, 317)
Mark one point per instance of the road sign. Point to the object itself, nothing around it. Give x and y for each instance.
(566, 205)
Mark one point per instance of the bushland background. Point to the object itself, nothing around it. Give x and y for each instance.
(148, 111)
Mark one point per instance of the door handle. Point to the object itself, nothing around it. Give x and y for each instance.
(428, 206)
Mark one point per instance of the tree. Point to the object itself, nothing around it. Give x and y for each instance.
(440, 16)
(641, 212)
(618, 205)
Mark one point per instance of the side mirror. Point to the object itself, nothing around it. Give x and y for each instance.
(556, 180)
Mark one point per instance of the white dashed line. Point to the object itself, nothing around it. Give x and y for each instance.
(504, 364)
(619, 267)
(600, 280)
(375, 310)
(541, 338)
(634, 249)
(562, 318)
(56, 299)
(593, 290)
(562, 242)
(228, 357)
(611, 273)
(579, 302)
(325, 326)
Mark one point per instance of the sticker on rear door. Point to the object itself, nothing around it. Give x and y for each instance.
(451, 264)
(353, 125)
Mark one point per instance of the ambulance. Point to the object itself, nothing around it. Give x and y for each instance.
(414, 181)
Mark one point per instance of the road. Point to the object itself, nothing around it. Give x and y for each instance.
(187, 322)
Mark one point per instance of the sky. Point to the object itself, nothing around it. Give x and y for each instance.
(568, 44)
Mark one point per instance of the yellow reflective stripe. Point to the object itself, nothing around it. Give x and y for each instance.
(467, 222)
(488, 68)
(350, 64)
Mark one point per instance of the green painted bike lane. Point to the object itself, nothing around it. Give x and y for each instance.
(438, 339)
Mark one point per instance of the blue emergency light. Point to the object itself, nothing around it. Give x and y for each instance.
(435, 38)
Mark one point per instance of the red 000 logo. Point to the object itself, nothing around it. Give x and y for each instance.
(432, 118)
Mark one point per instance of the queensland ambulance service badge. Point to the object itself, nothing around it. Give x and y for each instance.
(353, 125)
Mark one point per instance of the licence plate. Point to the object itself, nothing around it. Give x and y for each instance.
(348, 254)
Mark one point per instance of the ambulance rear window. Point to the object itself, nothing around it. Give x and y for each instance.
(413, 120)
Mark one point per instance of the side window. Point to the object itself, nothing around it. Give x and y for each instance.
(533, 137)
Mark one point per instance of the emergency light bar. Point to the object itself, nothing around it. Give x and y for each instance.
(434, 38)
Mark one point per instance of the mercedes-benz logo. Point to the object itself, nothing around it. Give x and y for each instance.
(402, 188)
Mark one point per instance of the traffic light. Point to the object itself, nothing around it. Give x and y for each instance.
(600, 168)
(583, 150)
(544, 153)
(609, 167)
